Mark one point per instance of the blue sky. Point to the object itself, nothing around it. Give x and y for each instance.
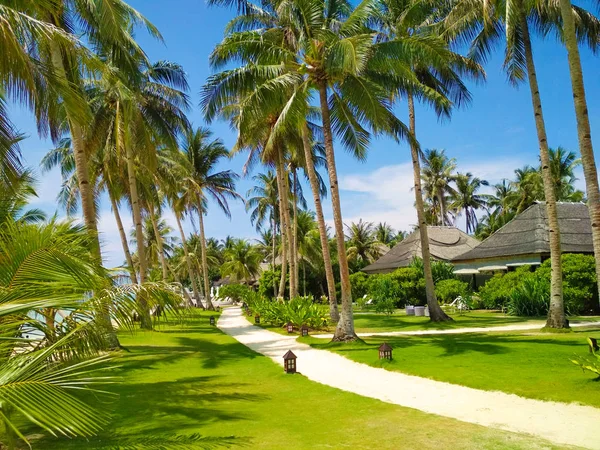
(490, 138)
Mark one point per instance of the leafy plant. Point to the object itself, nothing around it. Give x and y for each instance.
(531, 297)
(237, 292)
(590, 364)
(497, 291)
(447, 290)
(385, 293)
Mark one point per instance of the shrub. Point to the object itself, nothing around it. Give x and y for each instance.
(300, 311)
(592, 364)
(531, 297)
(411, 286)
(359, 282)
(447, 290)
(579, 282)
(440, 270)
(269, 282)
(497, 292)
(237, 292)
(385, 293)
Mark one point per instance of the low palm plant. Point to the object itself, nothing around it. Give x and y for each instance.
(590, 364)
(51, 346)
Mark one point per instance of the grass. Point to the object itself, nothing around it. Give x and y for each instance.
(190, 386)
(534, 365)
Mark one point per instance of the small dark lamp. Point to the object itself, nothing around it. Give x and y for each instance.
(289, 362)
(212, 320)
(304, 330)
(290, 327)
(385, 351)
(257, 319)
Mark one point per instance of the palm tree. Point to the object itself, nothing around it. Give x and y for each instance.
(384, 233)
(242, 261)
(438, 172)
(520, 17)
(201, 180)
(562, 167)
(363, 246)
(466, 199)
(15, 194)
(584, 132)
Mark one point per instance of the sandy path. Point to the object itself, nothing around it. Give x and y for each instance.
(518, 327)
(561, 423)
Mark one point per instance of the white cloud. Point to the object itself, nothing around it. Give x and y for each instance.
(386, 195)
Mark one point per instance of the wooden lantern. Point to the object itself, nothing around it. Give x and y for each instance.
(290, 327)
(385, 351)
(324, 322)
(218, 308)
(212, 320)
(257, 319)
(304, 330)
(289, 362)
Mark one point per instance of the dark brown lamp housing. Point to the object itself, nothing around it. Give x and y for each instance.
(385, 351)
(212, 320)
(290, 327)
(304, 330)
(257, 319)
(289, 362)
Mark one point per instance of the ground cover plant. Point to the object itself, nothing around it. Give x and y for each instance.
(190, 386)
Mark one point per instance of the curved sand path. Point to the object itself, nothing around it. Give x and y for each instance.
(517, 327)
(561, 423)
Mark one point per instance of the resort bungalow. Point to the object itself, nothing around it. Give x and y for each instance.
(445, 243)
(524, 241)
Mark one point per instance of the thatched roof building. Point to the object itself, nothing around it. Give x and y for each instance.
(524, 240)
(445, 243)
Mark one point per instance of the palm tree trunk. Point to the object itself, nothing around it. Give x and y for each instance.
(273, 235)
(209, 304)
(295, 230)
(556, 313)
(178, 281)
(436, 313)
(86, 191)
(345, 327)
(146, 320)
(293, 260)
(191, 273)
(442, 209)
(314, 185)
(123, 236)
(159, 243)
(583, 128)
(285, 230)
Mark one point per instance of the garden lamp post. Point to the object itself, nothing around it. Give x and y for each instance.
(385, 351)
(257, 319)
(212, 320)
(290, 327)
(304, 330)
(289, 362)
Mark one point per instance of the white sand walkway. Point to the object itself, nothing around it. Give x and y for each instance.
(516, 327)
(557, 422)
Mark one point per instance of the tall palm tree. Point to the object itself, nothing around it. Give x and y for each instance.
(438, 172)
(242, 261)
(584, 132)
(484, 20)
(467, 200)
(202, 180)
(562, 167)
(384, 233)
(363, 246)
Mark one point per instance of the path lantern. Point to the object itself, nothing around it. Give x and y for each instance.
(212, 320)
(257, 319)
(289, 362)
(218, 308)
(385, 351)
(324, 322)
(304, 330)
(290, 327)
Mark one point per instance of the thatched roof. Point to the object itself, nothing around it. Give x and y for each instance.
(527, 234)
(445, 243)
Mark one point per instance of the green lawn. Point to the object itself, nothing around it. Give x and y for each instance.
(534, 365)
(192, 379)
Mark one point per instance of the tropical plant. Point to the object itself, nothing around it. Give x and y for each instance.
(438, 173)
(531, 297)
(242, 261)
(448, 290)
(591, 364)
(363, 246)
(467, 200)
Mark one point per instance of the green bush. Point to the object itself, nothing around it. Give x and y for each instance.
(496, 293)
(531, 297)
(237, 292)
(411, 286)
(580, 289)
(268, 283)
(299, 311)
(359, 282)
(447, 290)
(440, 270)
(385, 294)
